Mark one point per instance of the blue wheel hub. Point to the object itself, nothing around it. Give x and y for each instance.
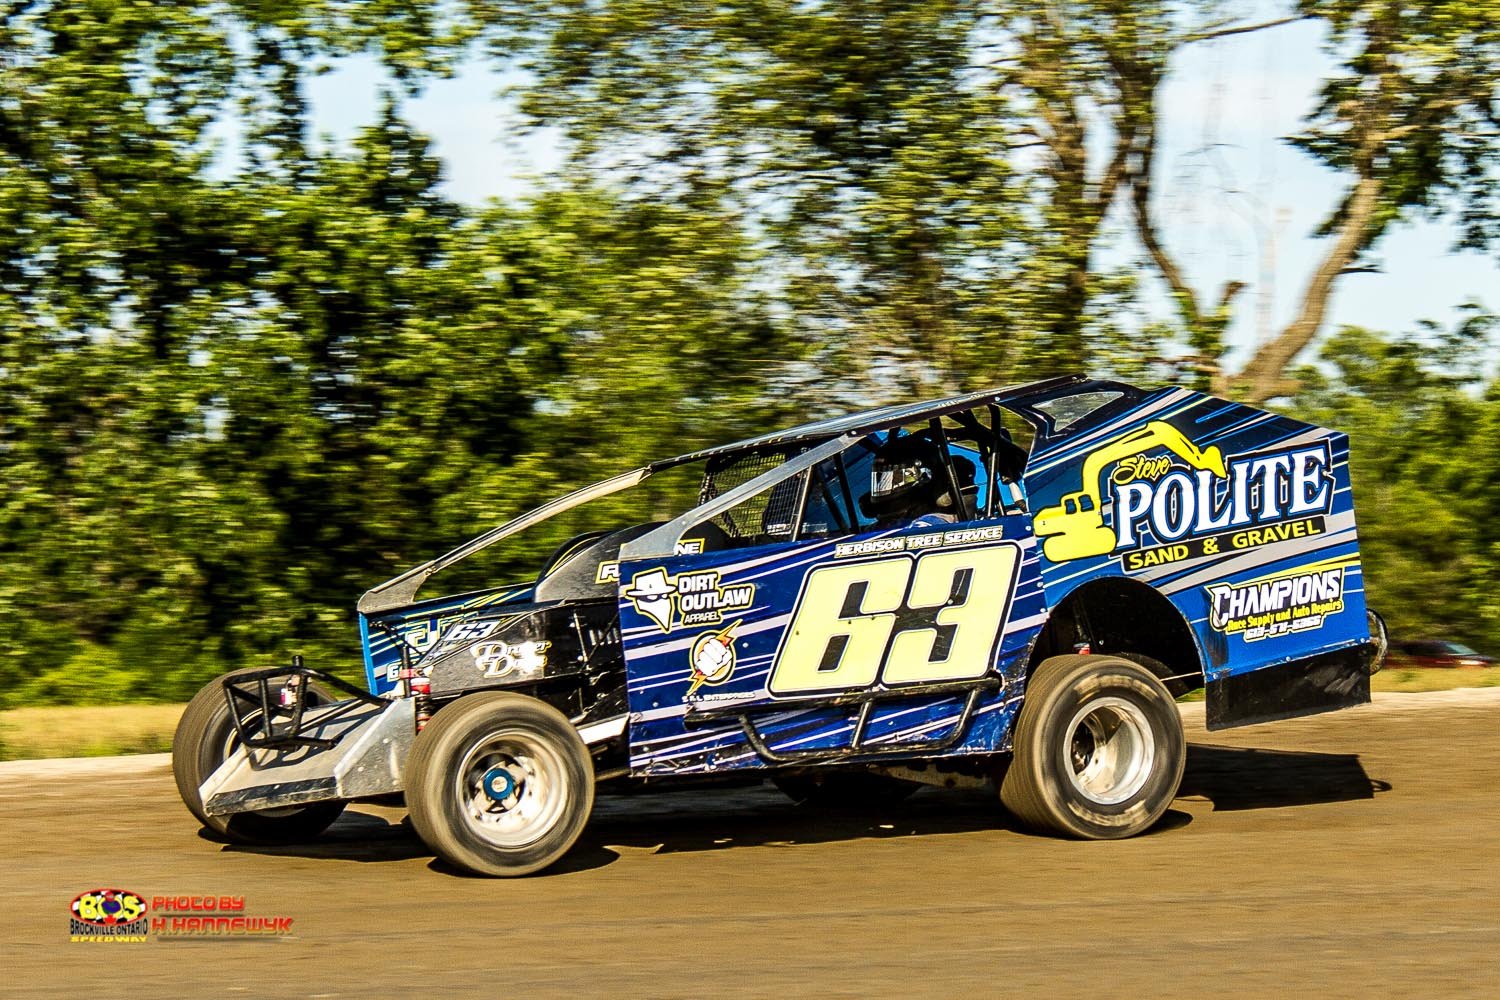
(499, 784)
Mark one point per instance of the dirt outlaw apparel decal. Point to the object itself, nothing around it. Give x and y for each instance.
(1165, 512)
(697, 598)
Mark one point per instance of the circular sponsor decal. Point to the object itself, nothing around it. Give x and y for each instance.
(713, 658)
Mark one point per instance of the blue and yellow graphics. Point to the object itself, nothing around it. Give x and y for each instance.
(880, 586)
(1242, 518)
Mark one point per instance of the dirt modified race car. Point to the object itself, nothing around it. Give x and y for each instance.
(1013, 583)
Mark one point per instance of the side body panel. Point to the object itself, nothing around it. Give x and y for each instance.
(687, 653)
(1241, 517)
(420, 626)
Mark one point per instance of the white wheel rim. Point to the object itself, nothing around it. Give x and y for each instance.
(1108, 750)
(538, 788)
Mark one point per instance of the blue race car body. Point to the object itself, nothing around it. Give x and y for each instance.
(1213, 541)
(1010, 585)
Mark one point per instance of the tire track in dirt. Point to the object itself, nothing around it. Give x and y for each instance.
(1344, 855)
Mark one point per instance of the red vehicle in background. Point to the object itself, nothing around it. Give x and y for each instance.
(1435, 653)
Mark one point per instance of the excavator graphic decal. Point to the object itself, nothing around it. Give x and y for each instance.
(1075, 528)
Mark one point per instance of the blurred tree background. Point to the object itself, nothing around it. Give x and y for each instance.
(229, 404)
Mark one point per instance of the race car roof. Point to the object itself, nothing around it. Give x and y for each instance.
(877, 419)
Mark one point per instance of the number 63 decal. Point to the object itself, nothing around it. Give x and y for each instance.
(898, 620)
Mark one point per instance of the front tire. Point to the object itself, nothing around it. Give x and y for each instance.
(1098, 749)
(205, 736)
(499, 784)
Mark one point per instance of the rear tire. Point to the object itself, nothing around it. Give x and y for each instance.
(1098, 749)
(205, 736)
(499, 784)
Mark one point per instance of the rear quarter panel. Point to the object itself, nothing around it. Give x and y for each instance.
(1262, 560)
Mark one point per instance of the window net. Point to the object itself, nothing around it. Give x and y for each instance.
(770, 514)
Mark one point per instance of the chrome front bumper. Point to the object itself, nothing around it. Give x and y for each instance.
(371, 744)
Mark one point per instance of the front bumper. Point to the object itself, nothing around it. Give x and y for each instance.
(360, 750)
(351, 749)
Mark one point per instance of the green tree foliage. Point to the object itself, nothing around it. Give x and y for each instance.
(1423, 417)
(1412, 122)
(860, 146)
(1082, 77)
(930, 181)
(230, 405)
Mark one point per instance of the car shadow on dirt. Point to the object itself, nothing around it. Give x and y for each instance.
(762, 816)
(355, 836)
(1255, 778)
(713, 819)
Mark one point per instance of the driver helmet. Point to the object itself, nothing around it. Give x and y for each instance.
(904, 478)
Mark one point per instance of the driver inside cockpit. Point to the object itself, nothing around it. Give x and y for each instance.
(910, 484)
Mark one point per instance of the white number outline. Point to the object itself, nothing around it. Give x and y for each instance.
(912, 560)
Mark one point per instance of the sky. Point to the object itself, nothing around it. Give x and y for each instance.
(1234, 200)
(1238, 202)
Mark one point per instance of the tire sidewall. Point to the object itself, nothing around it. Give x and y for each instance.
(439, 815)
(1079, 813)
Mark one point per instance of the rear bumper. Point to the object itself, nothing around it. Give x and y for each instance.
(1324, 682)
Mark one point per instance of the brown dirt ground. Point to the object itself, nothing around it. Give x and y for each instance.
(1349, 855)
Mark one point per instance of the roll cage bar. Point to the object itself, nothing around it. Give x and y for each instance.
(827, 438)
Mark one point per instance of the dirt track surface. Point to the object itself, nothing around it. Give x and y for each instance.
(1348, 855)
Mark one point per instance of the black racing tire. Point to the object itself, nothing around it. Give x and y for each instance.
(1098, 749)
(204, 737)
(843, 790)
(545, 766)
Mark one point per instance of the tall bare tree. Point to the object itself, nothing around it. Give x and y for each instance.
(1412, 122)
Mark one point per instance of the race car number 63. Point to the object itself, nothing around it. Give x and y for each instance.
(884, 620)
